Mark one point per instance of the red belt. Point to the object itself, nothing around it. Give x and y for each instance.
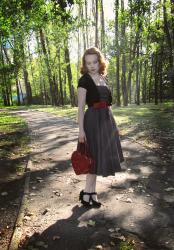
(101, 104)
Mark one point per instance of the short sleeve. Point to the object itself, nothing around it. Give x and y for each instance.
(82, 83)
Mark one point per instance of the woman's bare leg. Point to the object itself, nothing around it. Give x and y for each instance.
(90, 185)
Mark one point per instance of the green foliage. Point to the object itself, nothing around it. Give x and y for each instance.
(126, 246)
(13, 136)
(21, 21)
(7, 69)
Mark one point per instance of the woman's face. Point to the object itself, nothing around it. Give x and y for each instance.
(92, 63)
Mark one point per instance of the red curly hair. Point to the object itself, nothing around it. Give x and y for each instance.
(102, 61)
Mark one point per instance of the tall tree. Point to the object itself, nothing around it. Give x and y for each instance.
(96, 24)
(50, 77)
(117, 55)
(123, 42)
(103, 45)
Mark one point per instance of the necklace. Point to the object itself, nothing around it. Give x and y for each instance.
(99, 81)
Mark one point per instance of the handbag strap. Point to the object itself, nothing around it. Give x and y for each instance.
(83, 147)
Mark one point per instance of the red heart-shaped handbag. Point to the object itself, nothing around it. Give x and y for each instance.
(81, 159)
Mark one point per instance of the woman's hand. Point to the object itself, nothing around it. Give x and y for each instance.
(82, 136)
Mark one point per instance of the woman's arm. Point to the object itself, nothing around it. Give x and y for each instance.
(81, 95)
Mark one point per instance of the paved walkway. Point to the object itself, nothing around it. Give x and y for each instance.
(137, 203)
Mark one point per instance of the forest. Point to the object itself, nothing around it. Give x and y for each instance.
(41, 47)
(42, 42)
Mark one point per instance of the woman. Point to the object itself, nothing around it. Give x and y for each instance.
(97, 125)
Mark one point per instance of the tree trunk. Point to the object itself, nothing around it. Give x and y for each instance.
(160, 79)
(27, 84)
(137, 101)
(167, 32)
(5, 92)
(129, 81)
(117, 49)
(69, 74)
(60, 79)
(156, 79)
(20, 90)
(140, 80)
(56, 93)
(6, 55)
(96, 24)
(132, 63)
(144, 87)
(43, 91)
(18, 94)
(26, 80)
(123, 77)
(32, 71)
(151, 74)
(83, 27)
(50, 78)
(79, 55)
(86, 26)
(64, 88)
(172, 21)
(102, 28)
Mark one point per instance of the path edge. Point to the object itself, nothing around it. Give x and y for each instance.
(17, 232)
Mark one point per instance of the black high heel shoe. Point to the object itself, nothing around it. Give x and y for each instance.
(94, 203)
(85, 203)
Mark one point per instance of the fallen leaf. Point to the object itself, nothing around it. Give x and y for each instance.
(115, 235)
(29, 214)
(117, 229)
(130, 190)
(45, 211)
(32, 194)
(169, 189)
(40, 243)
(38, 178)
(150, 204)
(19, 174)
(112, 243)
(118, 197)
(36, 161)
(57, 193)
(56, 237)
(91, 223)
(99, 247)
(4, 193)
(128, 200)
(27, 218)
(132, 241)
(122, 238)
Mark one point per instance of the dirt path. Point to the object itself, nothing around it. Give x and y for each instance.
(138, 202)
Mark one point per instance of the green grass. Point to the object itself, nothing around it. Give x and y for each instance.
(146, 122)
(13, 136)
(68, 111)
(126, 246)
